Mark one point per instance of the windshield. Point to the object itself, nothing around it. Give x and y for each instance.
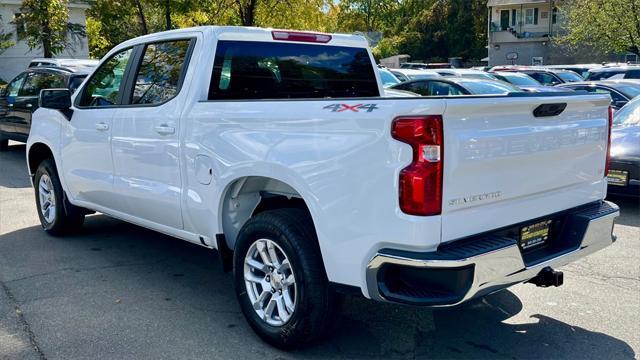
(520, 79)
(629, 89)
(422, 76)
(628, 115)
(488, 87)
(569, 76)
(388, 79)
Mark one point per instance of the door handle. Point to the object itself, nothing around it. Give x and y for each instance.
(101, 126)
(9, 105)
(165, 129)
(29, 106)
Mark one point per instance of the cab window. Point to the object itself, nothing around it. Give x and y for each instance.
(159, 75)
(14, 86)
(38, 81)
(103, 88)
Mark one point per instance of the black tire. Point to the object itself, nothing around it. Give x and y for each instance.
(66, 218)
(4, 144)
(316, 305)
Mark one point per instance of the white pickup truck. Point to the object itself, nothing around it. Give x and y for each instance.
(276, 149)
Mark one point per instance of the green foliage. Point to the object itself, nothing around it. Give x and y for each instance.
(5, 39)
(46, 25)
(424, 29)
(605, 25)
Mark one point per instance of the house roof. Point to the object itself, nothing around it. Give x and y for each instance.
(515, 2)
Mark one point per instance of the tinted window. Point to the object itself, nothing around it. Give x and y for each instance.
(615, 97)
(38, 81)
(14, 86)
(104, 86)
(266, 70)
(544, 78)
(599, 75)
(400, 76)
(632, 74)
(569, 76)
(439, 88)
(75, 82)
(158, 78)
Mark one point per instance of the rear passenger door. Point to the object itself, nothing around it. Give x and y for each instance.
(145, 137)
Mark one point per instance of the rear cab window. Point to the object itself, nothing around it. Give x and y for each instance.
(271, 70)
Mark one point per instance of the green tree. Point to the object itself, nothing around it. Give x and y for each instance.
(47, 25)
(5, 39)
(605, 25)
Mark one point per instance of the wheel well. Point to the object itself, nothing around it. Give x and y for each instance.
(251, 195)
(38, 153)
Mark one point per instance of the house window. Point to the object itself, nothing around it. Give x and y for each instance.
(513, 17)
(531, 16)
(537, 61)
(21, 26)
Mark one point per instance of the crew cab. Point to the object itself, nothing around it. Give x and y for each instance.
(277, 149)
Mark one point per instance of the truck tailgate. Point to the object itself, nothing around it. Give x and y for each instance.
(503, 165)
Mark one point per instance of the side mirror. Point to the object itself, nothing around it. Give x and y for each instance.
(59, 99)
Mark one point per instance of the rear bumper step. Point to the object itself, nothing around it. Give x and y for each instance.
(479, 265)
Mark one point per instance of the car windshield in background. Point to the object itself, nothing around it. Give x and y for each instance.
(629, 89)
(628, 115)
(603, 75)
(388, 79)
(520, 79)
(487, 87)
(569, 76)
(478, 75)
(267, 70)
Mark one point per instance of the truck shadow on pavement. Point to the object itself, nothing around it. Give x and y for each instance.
(13, 162)
(121, 290)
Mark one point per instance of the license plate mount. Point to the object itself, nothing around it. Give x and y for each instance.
(618, 177)
(535, 235)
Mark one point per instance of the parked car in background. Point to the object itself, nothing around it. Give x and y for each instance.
(468, 73)
(413, 74)
(614, 72)
(524, 82)
(580, 69)
(621, 91)
(387, 77)
(20, 98)
(624, 167)
(456, 86)
(550, 77)
(72, 63)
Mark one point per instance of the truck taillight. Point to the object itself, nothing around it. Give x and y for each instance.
(606, 166)
(421, 181)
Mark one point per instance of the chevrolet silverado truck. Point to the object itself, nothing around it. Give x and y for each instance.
(276, 149)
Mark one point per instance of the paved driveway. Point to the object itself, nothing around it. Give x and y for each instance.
(117, 291)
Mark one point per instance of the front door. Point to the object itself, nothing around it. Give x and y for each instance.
(8, 102)
(86, 158)
(504, 19)
(146, 135)
(27, 100)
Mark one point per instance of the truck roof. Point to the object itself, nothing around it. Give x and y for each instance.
(242, 33)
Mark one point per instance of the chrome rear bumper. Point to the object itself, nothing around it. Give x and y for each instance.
(488, 263)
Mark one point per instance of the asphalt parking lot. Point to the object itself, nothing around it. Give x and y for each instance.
(117, 291)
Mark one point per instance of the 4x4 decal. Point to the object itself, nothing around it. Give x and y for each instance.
(354, 108)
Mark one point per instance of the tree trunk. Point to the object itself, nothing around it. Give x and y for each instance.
(167, 13)
(46, 37)
(143, 21)
(246, 12)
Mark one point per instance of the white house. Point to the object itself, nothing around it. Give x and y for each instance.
(15, 59)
